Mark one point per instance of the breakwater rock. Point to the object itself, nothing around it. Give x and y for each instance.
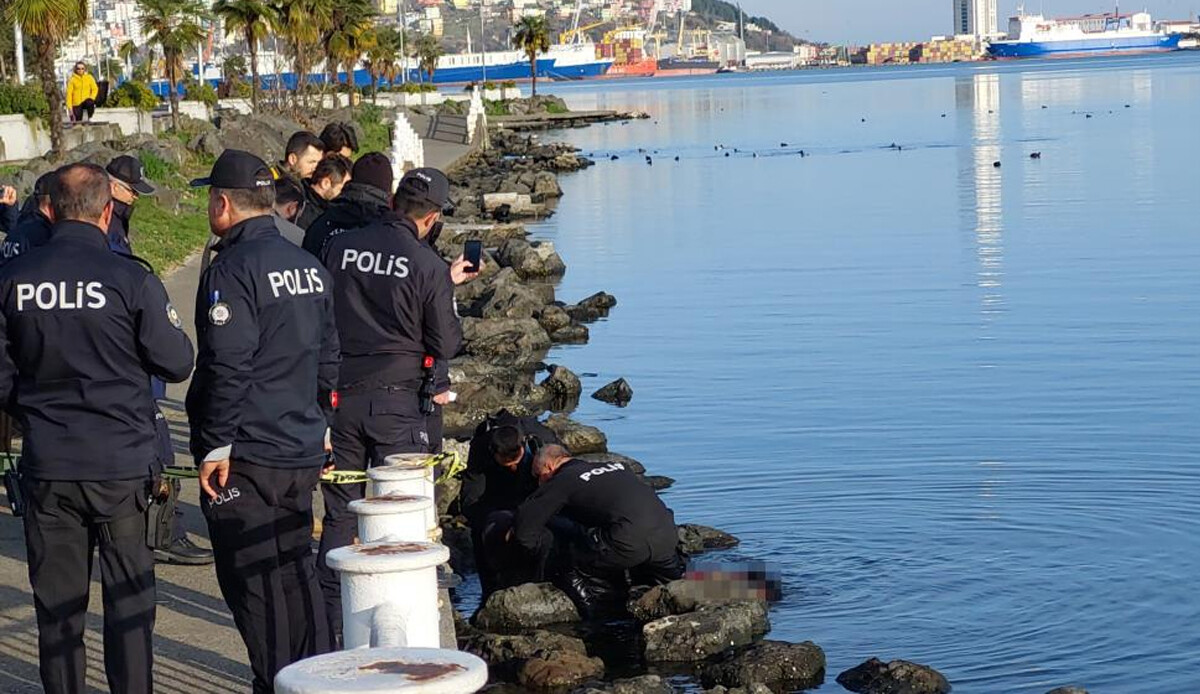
(897, 677)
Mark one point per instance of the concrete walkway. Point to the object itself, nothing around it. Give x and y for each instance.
(197, 648)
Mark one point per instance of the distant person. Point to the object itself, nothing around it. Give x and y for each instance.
(328, 181)
(365, 200)
(302, 154)
(340, 138)
(498, 479)
(74, 369)
(128, 183)
(82, 91)
(609, 521)
(33, 223)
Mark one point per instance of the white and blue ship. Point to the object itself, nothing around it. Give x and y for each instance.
(1035, 36)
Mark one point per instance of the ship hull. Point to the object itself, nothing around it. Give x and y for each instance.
(1115, 44)
(579, 72)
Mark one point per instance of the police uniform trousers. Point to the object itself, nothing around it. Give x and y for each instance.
(261, 530)
(370, 425)
(64, 523)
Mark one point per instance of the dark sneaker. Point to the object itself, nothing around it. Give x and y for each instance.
(182, 551)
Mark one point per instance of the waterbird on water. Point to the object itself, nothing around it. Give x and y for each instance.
(996, 164)
(614, 158)
(783, 144)
(1035, 155)
(676, 158)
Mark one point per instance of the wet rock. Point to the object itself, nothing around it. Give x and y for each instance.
(563, 383)
(578, 438)
(705, 632)
(784, 667)
(609, 457)
(500, 650)
(647, 684)
(552, 318)
(1068, 690)
(753, 688)
(618, 393)
(599, 300)
(507, 299)
(537, 259)
(897, 677)
(550, 670)
(526, 606)
(505, 340)
(696, 539)
(571, 335)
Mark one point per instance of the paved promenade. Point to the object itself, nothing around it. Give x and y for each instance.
(197, 648)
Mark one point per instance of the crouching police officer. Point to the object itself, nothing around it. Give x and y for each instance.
(395, 304)
(613, 526)
(84, 331)
(259, 406)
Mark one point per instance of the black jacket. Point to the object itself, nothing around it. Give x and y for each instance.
(608, 497)
(9, 217)
(84, 329)
(268, 351)
(488, 487)
(314, 206)
(32, 230)
(358, 206)
(395, 303)
(118, 228)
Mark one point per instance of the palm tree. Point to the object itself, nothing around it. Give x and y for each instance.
(174, 25)
(254, 19)
(303, 23)
(127, 52)
(380, 60)
(427, 51)
(349, 34)
(532, 38)
(49, 23)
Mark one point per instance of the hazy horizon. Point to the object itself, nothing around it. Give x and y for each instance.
(867, 21)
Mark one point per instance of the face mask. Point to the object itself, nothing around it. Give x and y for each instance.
(435, 232)
(122, 211)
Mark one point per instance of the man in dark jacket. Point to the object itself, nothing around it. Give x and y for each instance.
(365, 200)
(609, 521)
(327, 182)
(82, 330)
(259, 406)
(33, 224)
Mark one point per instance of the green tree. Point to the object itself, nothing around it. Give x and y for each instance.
(427, 51)
(254, 19)
(126, 52)
(48, 23)
(174, 26)
(532, 38)
(302, 23)
(349, 35)
(381, 58)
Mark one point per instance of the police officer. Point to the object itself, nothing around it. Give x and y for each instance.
(128, 184)
(363, 201)
(610, 522)
(33, 224)
(259, 406)
(84, 330)
(395, 304)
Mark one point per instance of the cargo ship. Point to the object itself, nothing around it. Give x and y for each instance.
(1035, 36)
(682, 67)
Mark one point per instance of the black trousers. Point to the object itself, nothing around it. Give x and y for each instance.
(87, 105)
(370, 425)
(64, 523)
(261, 530)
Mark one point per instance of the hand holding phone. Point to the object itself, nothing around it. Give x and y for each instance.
(473, 254)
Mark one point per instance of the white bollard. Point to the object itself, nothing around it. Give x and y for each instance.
(385, 671)
(405, 474)
(390, 593)
(396, 516)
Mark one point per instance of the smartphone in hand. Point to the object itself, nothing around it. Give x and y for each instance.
(473, 254)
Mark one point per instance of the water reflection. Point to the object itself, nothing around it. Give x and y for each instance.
(981, 200)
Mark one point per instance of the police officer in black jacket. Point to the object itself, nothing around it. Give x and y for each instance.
(33, 224)
(83, 331)
(259, 406)
(128, 184)
(610, 522)
(395, 304)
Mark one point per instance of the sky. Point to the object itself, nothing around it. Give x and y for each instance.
(866, 21)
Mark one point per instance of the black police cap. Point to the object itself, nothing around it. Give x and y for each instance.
(429, 185)
(238, 169)
(42, 185)
(129, 171)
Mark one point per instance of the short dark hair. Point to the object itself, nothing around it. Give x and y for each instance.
(412, 208)
(287, 191)
(249, 199)
(300, 141)
(80, 191)
(334, 166)
(337, 136)
(506, 443)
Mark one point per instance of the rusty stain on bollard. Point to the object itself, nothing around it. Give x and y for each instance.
(378, 550)
(417, 672)
(393, 497)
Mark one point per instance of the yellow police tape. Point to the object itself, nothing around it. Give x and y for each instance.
(451, 462)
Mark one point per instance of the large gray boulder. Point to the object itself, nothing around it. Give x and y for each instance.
(784, 667)
(705, 632)
(537, 259)
(571, 335)
(696, 539)
(618, 393)
(498, 650)
(527, 606)
(551, 317)
(508, 299)
(897, 677)
(555, 670)
(563, 384)
(505, 340)
(578, 438)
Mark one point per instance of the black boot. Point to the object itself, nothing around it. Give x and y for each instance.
(183, 551)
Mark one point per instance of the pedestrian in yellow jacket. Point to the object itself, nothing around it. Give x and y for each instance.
(81, 93)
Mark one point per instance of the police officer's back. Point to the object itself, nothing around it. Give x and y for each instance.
(33, 225)
(83, 331)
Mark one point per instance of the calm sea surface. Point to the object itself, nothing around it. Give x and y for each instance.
(958, 405)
